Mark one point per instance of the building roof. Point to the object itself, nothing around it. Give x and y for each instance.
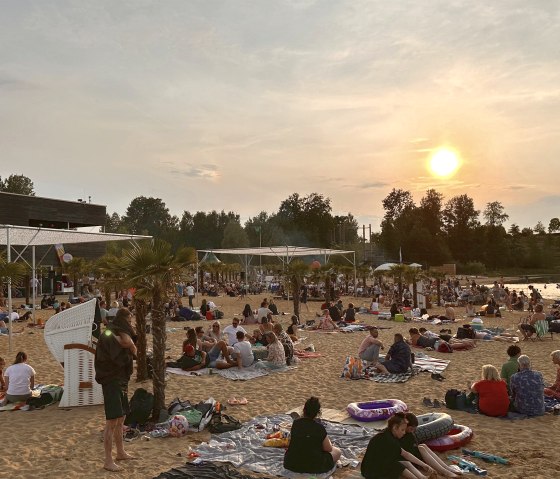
(29, 236)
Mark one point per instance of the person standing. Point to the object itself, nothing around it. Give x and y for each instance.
(190, 294)
(113, 368)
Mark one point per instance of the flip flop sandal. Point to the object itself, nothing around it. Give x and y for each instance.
(242, 401)
(427, 402)
(437, 404)
(233, 402)
(437, 377)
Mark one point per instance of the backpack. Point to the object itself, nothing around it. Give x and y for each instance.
(220, 423)
(141, 405)
(49, 394)
(451, 397)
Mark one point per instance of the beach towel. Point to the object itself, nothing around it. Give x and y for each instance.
(244, 447)
(390, 378)
(180, 372)
(244, 374)
(433, 365)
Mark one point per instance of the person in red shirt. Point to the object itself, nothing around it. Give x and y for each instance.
(493, 399)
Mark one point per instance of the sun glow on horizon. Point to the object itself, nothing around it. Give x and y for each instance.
(444, 162)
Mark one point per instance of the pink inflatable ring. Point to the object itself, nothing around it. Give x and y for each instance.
(376, 410)
(457, 437)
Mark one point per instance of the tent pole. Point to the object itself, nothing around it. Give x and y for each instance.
(355, 284)
(9, 258)
(34, 275)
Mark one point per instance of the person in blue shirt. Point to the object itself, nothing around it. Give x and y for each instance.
(398, 359)
(527, 389)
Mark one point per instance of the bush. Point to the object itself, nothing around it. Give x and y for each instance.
(472, 267)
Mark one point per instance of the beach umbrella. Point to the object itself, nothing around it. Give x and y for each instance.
(415, 265)
(385, 267)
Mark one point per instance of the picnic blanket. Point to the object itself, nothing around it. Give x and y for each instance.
(206, 470)
(234, 374)
(243, 447)
(355, 368)
(350, 328)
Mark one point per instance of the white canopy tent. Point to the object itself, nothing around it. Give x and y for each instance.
(26, 236)
(385, 267)
(284, 253)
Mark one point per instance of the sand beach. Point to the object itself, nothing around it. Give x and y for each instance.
(56, 442)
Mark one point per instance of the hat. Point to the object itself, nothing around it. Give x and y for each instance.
(189, 350)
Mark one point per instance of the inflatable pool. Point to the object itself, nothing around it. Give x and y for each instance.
(433, 425)
(375, 410)
(457, 437)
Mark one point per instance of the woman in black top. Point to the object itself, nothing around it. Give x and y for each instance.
(350, 314)
(310, 448)
(383, 458)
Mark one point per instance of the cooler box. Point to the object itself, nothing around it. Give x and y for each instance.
(399, 318)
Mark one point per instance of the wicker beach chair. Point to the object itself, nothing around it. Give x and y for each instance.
(69, 337)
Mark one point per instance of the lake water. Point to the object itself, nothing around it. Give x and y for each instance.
(548, 290)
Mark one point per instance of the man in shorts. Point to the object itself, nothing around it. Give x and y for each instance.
(113, 368)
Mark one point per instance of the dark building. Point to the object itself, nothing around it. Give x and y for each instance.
(23, 210)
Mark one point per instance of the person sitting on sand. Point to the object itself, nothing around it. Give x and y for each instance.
(266, 325)
(285, 341)
(449, 313)
(273, 308)
(293, 328)
(493, 398)
(518, 304)
(242, 351)
(19, 380)
(470, 310)
(420, 454)
(554, 390)
(192, 359)
(310, 450)
(528, 328)
(276, 356)
(350, 314)
(370, 347)
(5, 330)
(398, 359)
(215, 331)
(335, 313)
(326, 323)
(247, 315)
(394, 310)
(511, 367)
(527, 389)
(206, 342)
(383, 457)
(417, 339)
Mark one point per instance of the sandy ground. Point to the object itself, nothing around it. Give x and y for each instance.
(54, 442)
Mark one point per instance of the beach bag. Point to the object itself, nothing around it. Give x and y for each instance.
(353, 368)
(141, 405)
(451, 397)
(218, 314)
(220, 423)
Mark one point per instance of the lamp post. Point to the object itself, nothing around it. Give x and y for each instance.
(258, 230)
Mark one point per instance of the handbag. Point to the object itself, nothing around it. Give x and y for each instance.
(223, 423)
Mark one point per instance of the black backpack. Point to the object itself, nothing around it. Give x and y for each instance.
(141, 405)
(465, 333)
(223, 423)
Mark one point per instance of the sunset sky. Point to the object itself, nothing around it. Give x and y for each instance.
(237, 104)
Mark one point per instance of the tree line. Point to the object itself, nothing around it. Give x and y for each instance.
(431, 232)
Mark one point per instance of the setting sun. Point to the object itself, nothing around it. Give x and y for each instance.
(444, 162)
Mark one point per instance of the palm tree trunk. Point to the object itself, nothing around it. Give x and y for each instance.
(27, 289)
(141, 343)
(414, 294)
(158, 360)
(438, 286)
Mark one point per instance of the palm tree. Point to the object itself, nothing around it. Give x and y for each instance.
(438, 276)
(113, 277)
(12, 273)
(153, 269)
(413, 275)
(76, 267)
(296, 272)
(397, 272)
